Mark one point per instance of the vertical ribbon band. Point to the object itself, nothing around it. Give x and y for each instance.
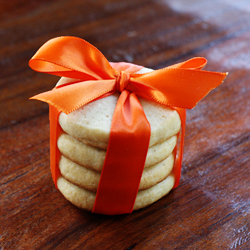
(125, 158)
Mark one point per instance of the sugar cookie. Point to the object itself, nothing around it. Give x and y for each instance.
(89, 179)
(85, 199)
(93, 157)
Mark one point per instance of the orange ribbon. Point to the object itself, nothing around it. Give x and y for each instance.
(179, 86)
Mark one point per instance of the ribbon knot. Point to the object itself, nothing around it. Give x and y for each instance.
(122, 80)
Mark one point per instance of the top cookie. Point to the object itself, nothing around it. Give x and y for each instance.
(91, 123)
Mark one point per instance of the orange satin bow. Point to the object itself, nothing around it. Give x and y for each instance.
(179, 86)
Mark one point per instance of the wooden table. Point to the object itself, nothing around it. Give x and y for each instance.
(210, 208)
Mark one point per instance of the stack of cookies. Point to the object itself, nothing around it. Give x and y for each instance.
(84, 142)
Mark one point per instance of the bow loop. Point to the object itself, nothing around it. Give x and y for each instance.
(122, 80)
(72, 57)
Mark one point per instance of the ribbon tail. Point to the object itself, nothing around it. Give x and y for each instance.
(55, 131)
(73, 96)
(129, 139)
(176, 87)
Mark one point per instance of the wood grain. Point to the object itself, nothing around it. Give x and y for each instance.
(211, 207)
